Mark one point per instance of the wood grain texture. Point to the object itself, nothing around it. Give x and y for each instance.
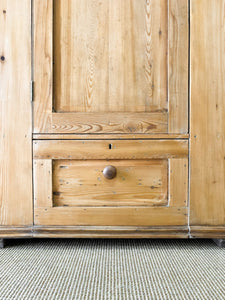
(138, 55)
(82, 183)
(121, 149)
(81, 67)
(207, 190)
(119, 64)
(178, 66)
(94, 232)
(15, 114)
(108, 136)
(113, 216)
(42, 170)
(16, 232)
(207, 231)
(43, 64)
(110, 232)
(178, 185)
(110, 66)
(109, 123)
(82, 196)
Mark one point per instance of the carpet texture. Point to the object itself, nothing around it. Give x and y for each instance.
(112, 269)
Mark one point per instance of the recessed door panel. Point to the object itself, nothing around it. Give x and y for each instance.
(110, 56)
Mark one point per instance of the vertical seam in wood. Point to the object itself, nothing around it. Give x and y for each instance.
(51, 181)
(189, 182)
(189, 61)
(168, 67)
(189, 113)
(168, 189)
(53, 84)
(32, 106)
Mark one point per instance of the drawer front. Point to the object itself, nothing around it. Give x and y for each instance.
(85, 183)
(114, 183)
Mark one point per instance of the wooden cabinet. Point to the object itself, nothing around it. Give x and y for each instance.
(127, 107)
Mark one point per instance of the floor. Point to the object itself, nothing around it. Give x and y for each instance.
(112, 269)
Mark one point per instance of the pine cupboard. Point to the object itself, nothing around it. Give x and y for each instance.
(112, 118)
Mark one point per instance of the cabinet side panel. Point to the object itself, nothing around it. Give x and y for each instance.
(207, 194)
(15, 114)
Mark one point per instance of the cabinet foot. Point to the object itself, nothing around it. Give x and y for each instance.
(220, 242)
(2, 243)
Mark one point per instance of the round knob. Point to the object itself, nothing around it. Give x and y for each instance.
(109, 172)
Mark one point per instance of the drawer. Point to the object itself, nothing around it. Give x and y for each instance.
(120, 183)
(110, 182)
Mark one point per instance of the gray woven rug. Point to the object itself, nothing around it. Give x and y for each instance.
(112, 269)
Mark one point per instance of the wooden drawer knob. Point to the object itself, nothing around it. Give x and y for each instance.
(109, 172)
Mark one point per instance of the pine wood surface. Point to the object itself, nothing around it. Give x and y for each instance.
(107, 67)
(207, 115)
(120, 149)
(111, 87)
(178, 40)
(150, 175)
(15, 114)
(158, 136)
(82, 183)
(106, 71)
(113, 216)
(94, 232)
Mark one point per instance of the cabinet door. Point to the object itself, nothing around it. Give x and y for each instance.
(111, 66)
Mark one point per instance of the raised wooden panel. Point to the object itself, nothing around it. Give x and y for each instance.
(119, 64)
(15, 114)
(82, 183)
(207, 145)
(70, 187)
(103, 66)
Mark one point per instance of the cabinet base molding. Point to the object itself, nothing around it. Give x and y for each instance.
(95, 232)
(214, 232)
(15, 232)
(111, 232)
